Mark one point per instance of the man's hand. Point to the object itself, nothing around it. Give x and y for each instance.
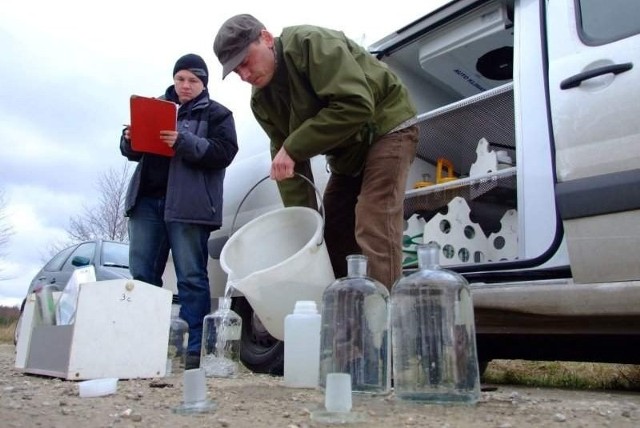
(282, 166)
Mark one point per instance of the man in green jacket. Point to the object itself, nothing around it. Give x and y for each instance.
(317, 92)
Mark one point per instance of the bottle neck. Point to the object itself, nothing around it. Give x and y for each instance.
(224, 303)
(429, 256)
(175, 310)
(356, 266)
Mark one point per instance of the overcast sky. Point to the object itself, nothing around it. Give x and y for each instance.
(67, 70)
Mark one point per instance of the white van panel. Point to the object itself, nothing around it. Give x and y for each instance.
(605, 248)
(596, 124)
(597, 132)
(536, 202)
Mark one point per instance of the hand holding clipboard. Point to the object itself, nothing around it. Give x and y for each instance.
(149, 116)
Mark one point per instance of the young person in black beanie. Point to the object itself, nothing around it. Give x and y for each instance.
(174, 203)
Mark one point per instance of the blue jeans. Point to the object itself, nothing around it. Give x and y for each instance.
(150, 239)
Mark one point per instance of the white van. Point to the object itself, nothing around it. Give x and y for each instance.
(532, 108)
(528, 173)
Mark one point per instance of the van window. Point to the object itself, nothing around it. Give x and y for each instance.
(603, 22)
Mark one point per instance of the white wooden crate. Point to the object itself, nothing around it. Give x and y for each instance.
(121, 330)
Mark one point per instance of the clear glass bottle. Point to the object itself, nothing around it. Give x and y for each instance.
(221, 332)
(354, 335)
(178, 340)
(434, 341)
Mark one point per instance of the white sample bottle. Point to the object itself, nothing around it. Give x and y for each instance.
(302, 346)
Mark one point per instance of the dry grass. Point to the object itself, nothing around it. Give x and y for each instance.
(6, 331)
(562, 374)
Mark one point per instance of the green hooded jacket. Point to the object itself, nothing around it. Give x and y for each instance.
(328, 96)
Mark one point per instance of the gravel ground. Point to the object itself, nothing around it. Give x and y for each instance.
(262, 401)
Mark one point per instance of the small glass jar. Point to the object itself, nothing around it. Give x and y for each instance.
(354, 335)
(434, 341)
(178, 340)
(221, 332)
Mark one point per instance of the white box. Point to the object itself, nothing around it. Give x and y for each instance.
(121, 330)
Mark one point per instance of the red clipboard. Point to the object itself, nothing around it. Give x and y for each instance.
(149, 116)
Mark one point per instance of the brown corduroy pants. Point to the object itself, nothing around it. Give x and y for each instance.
(364, 214)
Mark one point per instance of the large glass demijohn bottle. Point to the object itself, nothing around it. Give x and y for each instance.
(178, 340)
(434, 341)
(221, 332)
(354, 332)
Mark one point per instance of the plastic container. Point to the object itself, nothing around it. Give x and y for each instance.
(194, 393)
(278, 259)
(302, 346)
(354, 335)
(434, 341)
(503, 159)
(444, 171)
(46, 304)
(98, 387)
(337, 402)
(337, 396)
(221, 332)
(68, 301)
(178, 341)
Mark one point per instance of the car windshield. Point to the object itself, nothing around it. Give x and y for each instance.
(115, 254)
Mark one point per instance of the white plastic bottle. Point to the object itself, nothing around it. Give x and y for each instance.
(302, 346)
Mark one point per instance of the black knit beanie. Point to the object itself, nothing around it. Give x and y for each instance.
(195, 64)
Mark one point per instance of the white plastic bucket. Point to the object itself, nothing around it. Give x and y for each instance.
(276, 260)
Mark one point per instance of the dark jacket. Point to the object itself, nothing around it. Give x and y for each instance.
(206, 145)
(328, 96)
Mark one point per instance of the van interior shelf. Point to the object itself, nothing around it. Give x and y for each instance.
(497, 188)
(455, 129)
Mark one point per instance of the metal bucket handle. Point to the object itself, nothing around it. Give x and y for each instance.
(233, 224)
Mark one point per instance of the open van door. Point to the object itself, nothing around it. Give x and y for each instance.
(594, 82)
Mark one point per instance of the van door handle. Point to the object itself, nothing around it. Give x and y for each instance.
(574, 81)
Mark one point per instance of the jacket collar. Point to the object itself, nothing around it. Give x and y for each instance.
(279, 81)
(200, 101)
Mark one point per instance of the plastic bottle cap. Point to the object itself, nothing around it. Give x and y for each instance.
(195, 385)
(338, 392)
(305, 307)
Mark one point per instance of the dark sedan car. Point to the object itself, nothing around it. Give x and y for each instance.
(110, 260)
